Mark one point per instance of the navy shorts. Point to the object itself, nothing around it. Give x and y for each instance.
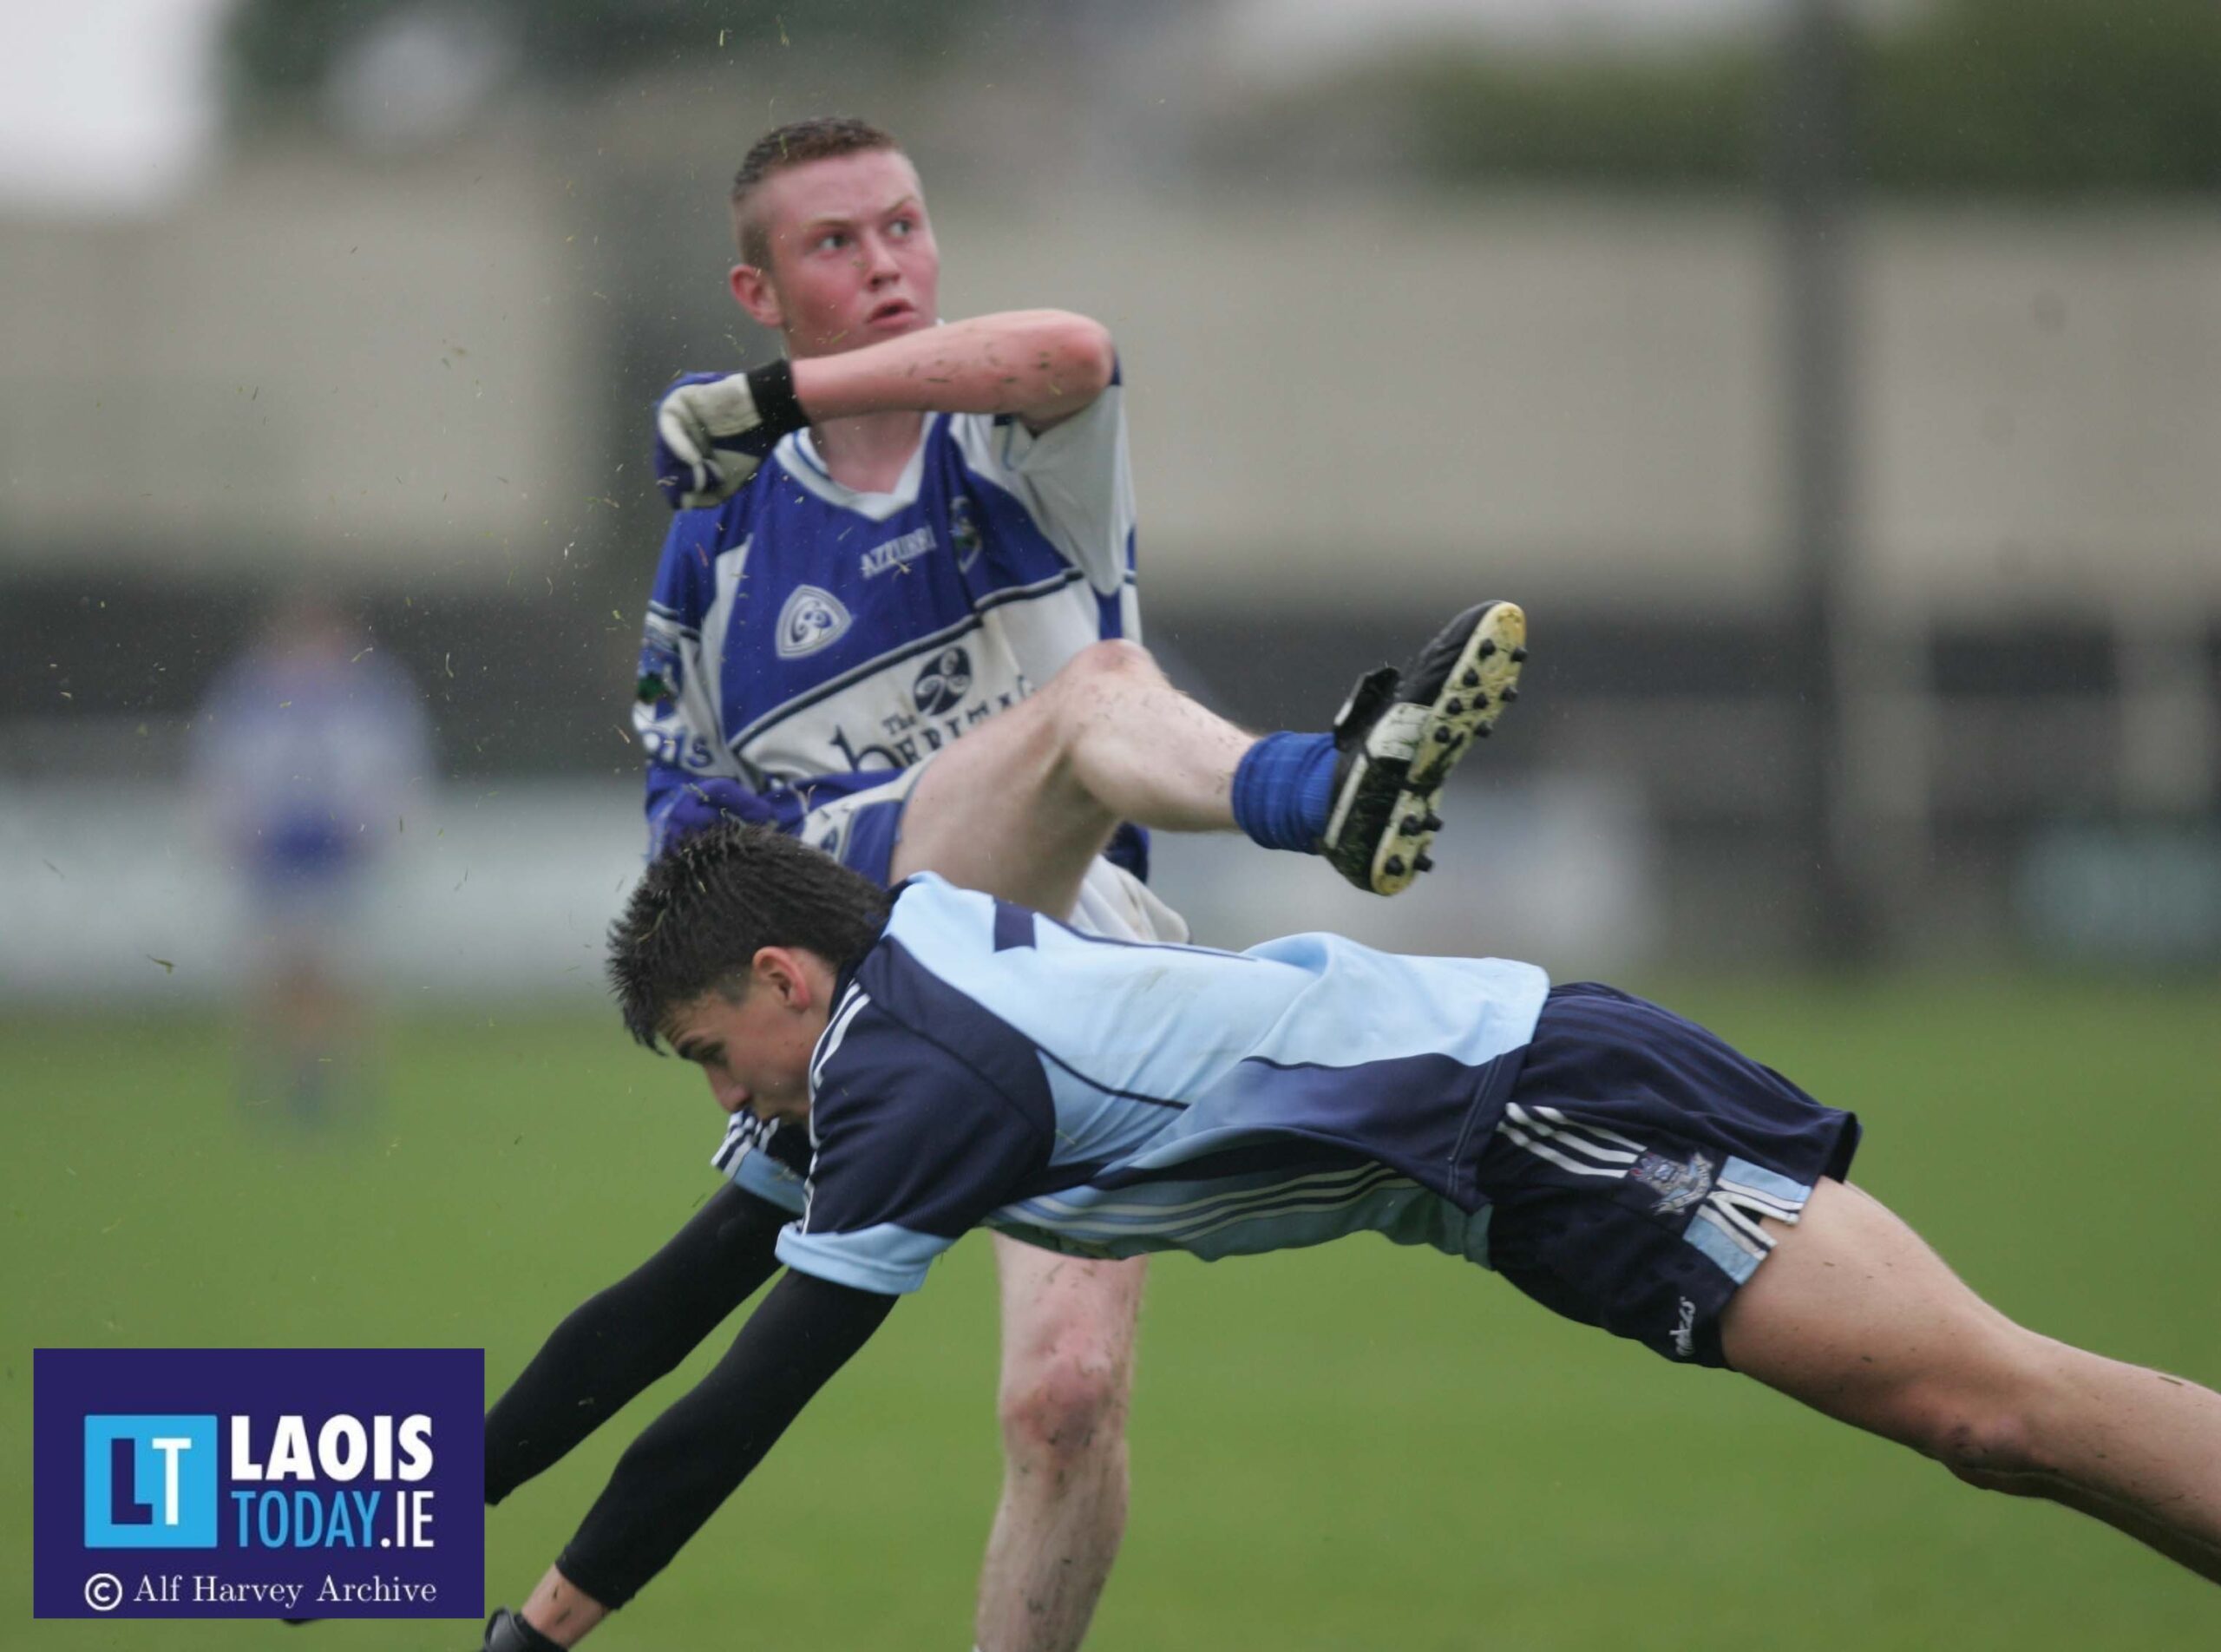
(1636, 1154)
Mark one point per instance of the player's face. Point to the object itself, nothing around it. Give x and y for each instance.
(754, 1050)
(853, 258)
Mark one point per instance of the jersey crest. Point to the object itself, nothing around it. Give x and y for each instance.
(964, 533)
(810, 620)
(809, 640)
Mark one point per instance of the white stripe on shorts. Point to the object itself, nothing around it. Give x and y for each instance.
(1758, 1203)
(1556, 1145)
(1738, 1218)
(1636, 1148)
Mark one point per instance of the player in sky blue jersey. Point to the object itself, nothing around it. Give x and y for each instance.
(899, 588)
(961, 1061)
(1107, 740)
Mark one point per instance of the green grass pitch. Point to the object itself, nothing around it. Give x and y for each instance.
(1347, 1448)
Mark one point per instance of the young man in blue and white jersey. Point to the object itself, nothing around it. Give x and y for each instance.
(951, 526)
(963, 1061)
(900, 545)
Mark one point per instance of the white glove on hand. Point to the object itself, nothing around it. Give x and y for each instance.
(712, 436)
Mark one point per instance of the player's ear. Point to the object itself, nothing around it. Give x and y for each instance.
(753, 291)
(778, 972)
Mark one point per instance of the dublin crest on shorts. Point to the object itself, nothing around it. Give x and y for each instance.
(1678, 1185)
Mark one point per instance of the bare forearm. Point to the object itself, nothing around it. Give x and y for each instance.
(1040, 364)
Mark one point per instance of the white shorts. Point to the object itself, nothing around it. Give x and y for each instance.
(860, 831)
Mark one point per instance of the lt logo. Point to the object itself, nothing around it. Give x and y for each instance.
(150, 1482)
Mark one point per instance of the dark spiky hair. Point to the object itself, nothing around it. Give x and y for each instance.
(710, 903)
(820, 138)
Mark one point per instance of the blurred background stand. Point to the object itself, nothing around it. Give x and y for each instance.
(1837, 385)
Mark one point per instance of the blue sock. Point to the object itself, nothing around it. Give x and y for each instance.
(1283, 788)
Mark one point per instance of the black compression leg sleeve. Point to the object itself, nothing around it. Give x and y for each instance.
(622, 1340)
(691, 1459)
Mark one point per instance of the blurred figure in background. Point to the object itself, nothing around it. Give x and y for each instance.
(306, 757)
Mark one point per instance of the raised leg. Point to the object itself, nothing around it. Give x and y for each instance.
(1854, 1315)
(1068, 1361)
(1019, 806)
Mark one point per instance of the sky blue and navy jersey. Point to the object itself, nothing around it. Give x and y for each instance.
(985, 1065)
(805, 640)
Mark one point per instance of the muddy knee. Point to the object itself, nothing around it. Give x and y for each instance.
(1062, 1412)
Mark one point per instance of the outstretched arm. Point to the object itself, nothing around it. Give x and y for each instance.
(1041, 365)
(912, 1147)
(622, 1339)
(691, 1459)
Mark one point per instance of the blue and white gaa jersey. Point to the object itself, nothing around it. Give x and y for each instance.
(303, 756)
(807, 640)
(985, 1065)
